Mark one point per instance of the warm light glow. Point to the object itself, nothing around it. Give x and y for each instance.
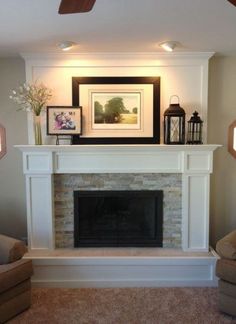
(66, 45)
(67, 48)
(234, 139)
(168, 46)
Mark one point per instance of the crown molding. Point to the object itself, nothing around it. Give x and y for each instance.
(117, 55)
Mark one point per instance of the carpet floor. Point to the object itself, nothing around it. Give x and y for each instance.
(124, 306)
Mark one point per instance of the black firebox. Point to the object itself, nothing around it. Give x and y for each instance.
(118, 218)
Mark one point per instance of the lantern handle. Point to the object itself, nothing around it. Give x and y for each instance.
(172, 97)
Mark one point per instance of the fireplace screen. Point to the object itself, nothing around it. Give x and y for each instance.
(118, 218)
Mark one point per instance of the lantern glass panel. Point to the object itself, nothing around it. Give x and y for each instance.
(175, 126)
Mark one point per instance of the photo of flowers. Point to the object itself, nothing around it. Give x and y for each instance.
(64, 120)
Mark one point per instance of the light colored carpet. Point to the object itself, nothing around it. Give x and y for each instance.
(124, 306)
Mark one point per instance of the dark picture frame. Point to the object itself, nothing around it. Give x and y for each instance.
(64, 120)
(154, 138)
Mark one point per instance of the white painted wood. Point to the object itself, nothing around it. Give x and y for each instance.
(58, 59)
(195, 203)
(37, 162)
(40, 216)
(198, 162)
(194, 162)
(124, 272)
(184, 74)
(116, 162)
(119, 148)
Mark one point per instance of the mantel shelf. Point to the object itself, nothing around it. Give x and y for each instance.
(118, 148)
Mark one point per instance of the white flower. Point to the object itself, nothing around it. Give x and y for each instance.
(32, 97)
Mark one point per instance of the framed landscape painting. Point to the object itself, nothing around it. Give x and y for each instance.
(118, 110)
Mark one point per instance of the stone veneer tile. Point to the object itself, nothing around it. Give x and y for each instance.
(65, 184)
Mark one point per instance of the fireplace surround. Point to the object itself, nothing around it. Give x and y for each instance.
(54, 172)
(42, 164)
(65, 184)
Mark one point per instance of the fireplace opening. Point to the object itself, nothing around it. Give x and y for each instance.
(118, 218)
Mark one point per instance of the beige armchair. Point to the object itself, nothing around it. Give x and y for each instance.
(15, 273)
(226, 271)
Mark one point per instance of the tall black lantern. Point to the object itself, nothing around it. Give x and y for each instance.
(194, 135)
(174, 124)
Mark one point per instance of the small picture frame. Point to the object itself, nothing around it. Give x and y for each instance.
(64, 120)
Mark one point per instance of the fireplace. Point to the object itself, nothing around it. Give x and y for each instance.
(182, 172)
(118, 218)
(53, 173)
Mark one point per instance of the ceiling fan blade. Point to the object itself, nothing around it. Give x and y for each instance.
(233, 2)
(75, 6)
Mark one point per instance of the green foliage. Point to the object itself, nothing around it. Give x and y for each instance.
(98, 108)
(135, 110)
(99, 113)
(113, 109)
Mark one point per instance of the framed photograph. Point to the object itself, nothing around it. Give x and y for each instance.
(118, 110)
(64, 120)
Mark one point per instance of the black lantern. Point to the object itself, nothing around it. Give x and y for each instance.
(194, 135)
(174, 124)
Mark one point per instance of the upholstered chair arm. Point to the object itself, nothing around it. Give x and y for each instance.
(226, 247)
(11, 249)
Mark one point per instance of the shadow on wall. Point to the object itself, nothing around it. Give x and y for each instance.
(12, 189)
(221, 113)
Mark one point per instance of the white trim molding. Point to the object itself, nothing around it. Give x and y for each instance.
(194, 162)
(181, 73)
(104, 272)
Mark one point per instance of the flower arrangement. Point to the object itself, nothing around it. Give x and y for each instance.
(32, 97)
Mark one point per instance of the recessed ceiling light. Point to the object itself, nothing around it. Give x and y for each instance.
(168, 46)
(66, 45)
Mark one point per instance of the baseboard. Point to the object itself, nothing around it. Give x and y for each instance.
(100, 272)
(123, 284)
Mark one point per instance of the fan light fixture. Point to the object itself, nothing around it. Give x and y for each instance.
(168, 46)
(66, 45)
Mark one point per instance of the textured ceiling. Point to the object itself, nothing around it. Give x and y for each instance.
(118, 26)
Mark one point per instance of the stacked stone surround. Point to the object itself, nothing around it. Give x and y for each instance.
(66, 184)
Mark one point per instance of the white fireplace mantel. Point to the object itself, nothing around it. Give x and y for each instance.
(195, 163)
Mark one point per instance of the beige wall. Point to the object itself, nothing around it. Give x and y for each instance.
(222, 111)
(12, 186)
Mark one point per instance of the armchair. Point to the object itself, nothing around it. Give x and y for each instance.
(226, 271)
(15, 275)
